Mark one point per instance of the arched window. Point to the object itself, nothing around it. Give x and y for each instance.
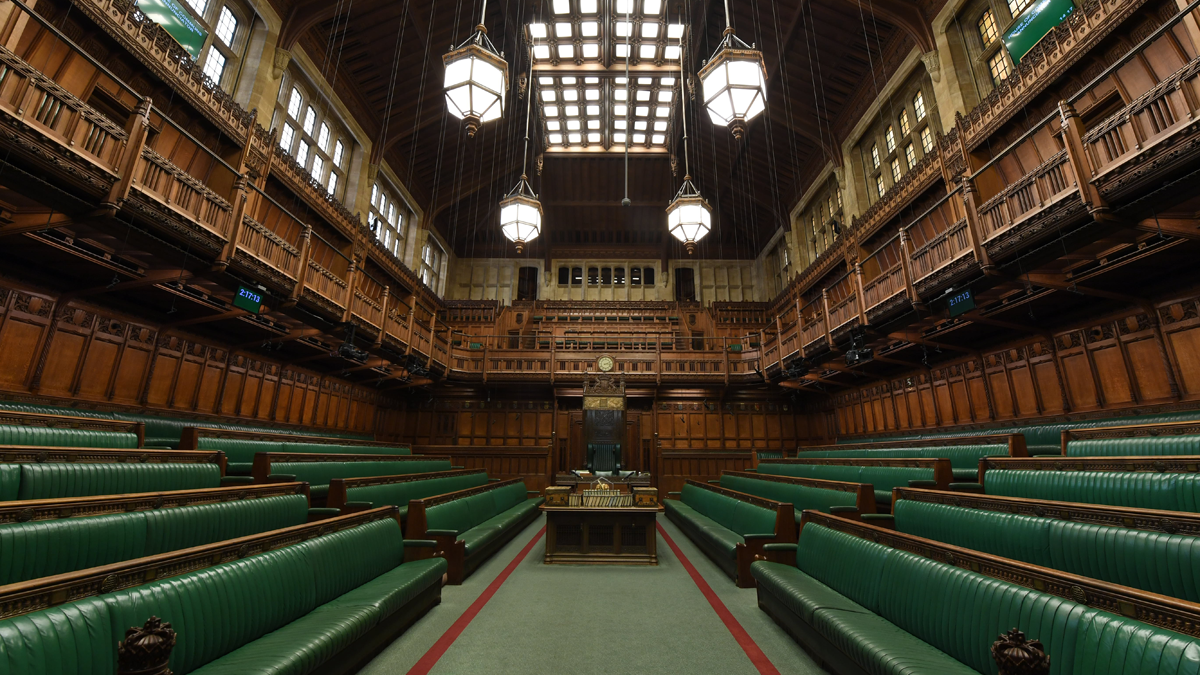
(389, 218)
(310, 131)
(987, 28)
(431, 264)
(1018, 6)
(228, 25)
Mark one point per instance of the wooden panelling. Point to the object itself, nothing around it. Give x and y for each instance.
(533, 464)
(79, 353)
(1123, 361)
(675, 467)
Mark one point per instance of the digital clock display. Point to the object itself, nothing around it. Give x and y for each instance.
(249, 300)
(961, 302)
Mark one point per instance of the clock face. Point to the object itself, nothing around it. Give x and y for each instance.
(605, 363)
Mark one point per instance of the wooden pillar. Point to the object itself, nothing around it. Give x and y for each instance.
(862, 298)
(825, 310)
(970, 202)
(305, 251)
(1076, 154)
(906, 268)
(136, 129)
(383, 318)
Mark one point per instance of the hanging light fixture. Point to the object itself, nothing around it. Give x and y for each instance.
(689, 217)
(520, 210)
(735, 82)
(476, 79)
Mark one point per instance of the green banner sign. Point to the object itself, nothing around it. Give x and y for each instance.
(1033, 24)
(177, 21)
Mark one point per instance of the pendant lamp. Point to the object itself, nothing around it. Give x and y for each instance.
(734, 82)
(689, 217)
(476, 79)
(520, 210)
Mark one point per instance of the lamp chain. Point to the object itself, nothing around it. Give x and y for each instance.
(628, 101)
(687, 172)
(728, 23)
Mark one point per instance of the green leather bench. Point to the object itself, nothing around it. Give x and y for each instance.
(804, 493)
(1046, 439)
(1171, 438)
(1158, 562)
(882, 474)
(327, 604)
(24, 428)
(470, 525)
(964, 453)
(731, 527)
(318, 469)
(164, 432)
(55, 473)
(1169, 483)
(359, 494)
(241, 446)
(45, 547)
(892, 611)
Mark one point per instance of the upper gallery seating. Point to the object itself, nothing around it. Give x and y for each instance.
(251, 605)
(1122, 546)
(1046, 439)
(1169, 483)
(162, 432)
(829, 496)
(112, 529)
(241, 446)
(964, 452)
(29, 428)
(866, 607)
(54, 473)
(349, 495)
(319, 469)
(1170, 438)
(883, 474)
(470, 525)
(731, 527)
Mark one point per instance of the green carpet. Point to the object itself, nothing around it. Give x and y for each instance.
(606, 620)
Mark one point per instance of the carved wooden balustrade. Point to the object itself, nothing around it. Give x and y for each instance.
(812, 332)
(1049, 183)
(367, 309)
(63, 120)
(258, 238)
(941, 251)
(326, 284)
(184, 194)
(888, 285)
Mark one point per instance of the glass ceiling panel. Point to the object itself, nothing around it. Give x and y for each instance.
(579, 51)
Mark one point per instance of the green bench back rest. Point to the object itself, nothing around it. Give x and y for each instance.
(883, 478)
(214, 610)
(960, 456)
(731, 513)
(1009, 535)
(239, 450)
(1151, 561)
(318, 474)
(48, 547)
(400, 494)
(465, 513)
(10, 482)
(800, 496)
(1129, 447)
(961, 612)
(54, 481)
(67, 438)
(1166, 491)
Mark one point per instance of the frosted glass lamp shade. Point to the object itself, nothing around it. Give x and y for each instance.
(689, 217)
(734, 82)
(476, 81)
(521, 219)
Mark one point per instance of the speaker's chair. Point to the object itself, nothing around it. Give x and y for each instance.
(604, 457)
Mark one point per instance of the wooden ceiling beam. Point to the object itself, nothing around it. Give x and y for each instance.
(905, 15)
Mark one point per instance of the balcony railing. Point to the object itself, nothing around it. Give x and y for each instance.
(187, 196)
(367, 309)
(884, 287)
(326, 284)
(1047, 184)
(941, 251)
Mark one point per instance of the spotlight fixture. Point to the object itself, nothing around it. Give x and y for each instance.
(476, 79)
(689, 217)
(858, 353)
(520, 210)
(735, 82)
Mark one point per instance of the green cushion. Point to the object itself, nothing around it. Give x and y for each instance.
(963, 457)
(11, 434)
(1128, 447)
(400, 494)
(283, 612)
(739, 517)
(187, 526)
(54, 481)
(1166, 491)
(318, 474)
(707, 532)
(1019, 537)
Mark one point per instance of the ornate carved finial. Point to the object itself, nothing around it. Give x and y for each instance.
(146, 650)
(674, 165)
(522, 84)
(538, 160)
(1017, 656)
(280, 63)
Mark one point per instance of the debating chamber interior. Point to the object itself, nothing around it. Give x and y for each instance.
(767, 337)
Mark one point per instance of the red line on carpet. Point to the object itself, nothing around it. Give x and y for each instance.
(747, 643)
(439, 648)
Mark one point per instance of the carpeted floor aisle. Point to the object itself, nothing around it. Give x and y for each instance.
(606, 620)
